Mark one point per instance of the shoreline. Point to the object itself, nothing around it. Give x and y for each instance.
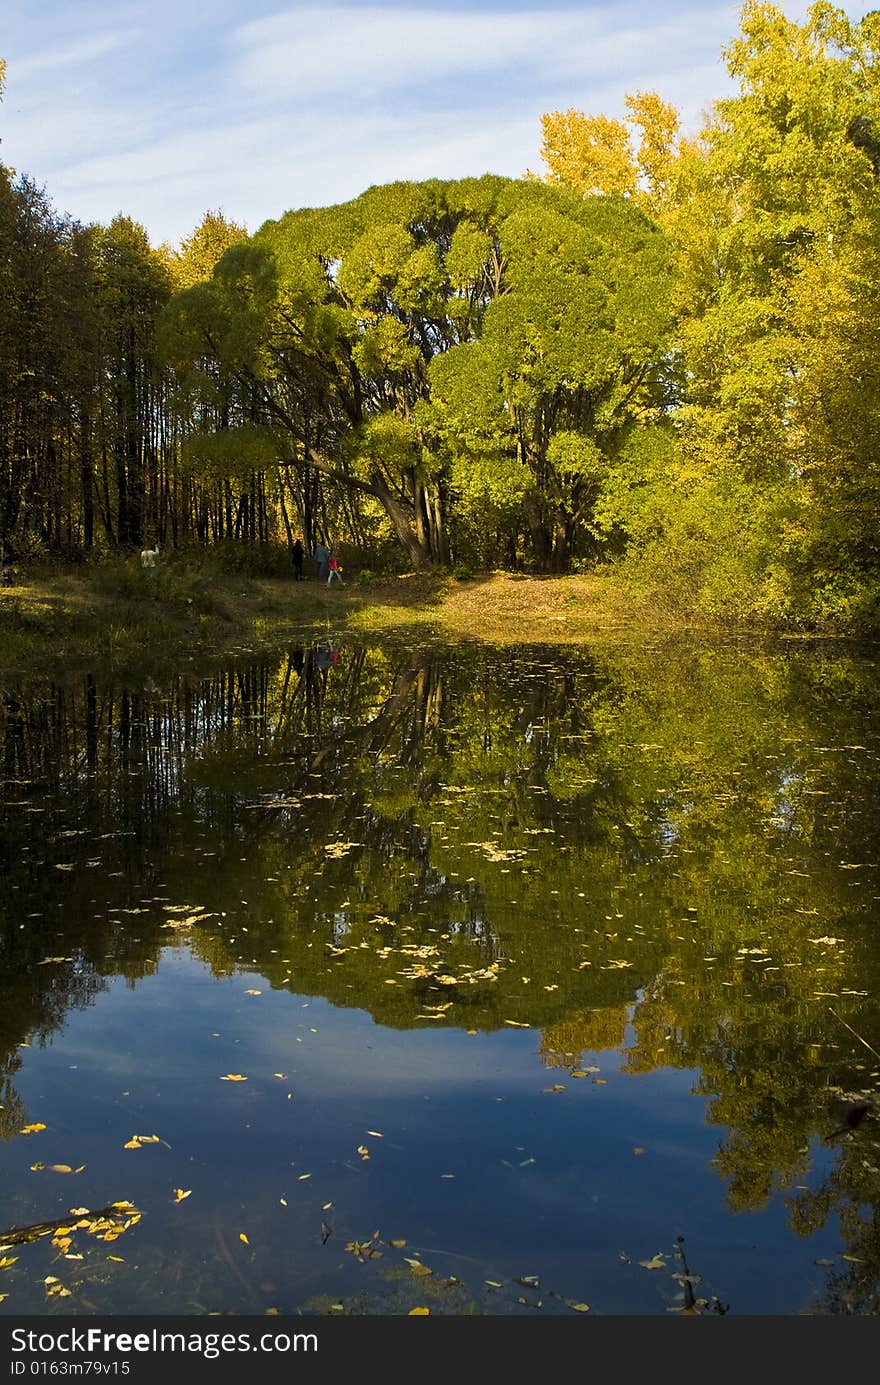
(74, 619)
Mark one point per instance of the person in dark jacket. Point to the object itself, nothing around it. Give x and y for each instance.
(297, 553)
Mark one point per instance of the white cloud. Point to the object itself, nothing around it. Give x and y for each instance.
(70, 56)
(348, 51)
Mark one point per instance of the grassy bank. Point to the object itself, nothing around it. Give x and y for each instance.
(121, 617)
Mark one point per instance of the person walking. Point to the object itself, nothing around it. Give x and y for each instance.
(297, 553)
(322, 554)
(335, 569)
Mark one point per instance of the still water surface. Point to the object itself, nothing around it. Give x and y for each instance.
(436, 971)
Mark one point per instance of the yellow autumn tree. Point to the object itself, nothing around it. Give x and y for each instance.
(590, 153)
(597, 154)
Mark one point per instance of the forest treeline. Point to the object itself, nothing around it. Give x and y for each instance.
(659, 353)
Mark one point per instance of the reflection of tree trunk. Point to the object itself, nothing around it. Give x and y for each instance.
(91, 724)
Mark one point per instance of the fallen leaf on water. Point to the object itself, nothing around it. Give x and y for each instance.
(363, 1250)
(376, 1134)
(7, 1261)
(253, 992)
(655, 1263)
(303, 1177)
(515, 1024)
(557, 1087)
(282, 1075)
(418, 1312)
(181, 1193)
(243, 1237)
(283, 1201)
(578, 1307)
(117, 1259)
(32, 1129)
(528, 1281)
(637, 1149)
(397, 1245)
(233, 1077)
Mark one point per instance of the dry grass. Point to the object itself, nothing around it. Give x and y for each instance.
(501, 608)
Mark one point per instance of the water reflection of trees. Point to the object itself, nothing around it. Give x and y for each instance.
(656, 843)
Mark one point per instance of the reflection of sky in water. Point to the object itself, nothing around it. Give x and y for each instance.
(363, 847)
(543, 1183)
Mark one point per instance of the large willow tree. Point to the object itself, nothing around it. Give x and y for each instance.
(436, 347)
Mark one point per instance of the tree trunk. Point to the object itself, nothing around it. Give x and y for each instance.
(538, 528)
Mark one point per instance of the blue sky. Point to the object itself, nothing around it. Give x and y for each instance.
(165, 109)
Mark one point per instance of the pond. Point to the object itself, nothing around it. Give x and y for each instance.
(373, 977)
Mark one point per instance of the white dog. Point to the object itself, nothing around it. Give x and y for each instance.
(149, 556)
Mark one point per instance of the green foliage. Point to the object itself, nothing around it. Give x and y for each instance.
(233, 452)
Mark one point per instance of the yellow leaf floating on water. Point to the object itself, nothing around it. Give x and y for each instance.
(7, 1261)
(578, 1307)
(117, 1259)
(363, 1151)
(137, 1141)
(515, 1024)
(243, 1237)
(234, 1077)
(655, 1263)
(253, 992)
(418, 1312)
(32, 1129)
(181, 1193)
